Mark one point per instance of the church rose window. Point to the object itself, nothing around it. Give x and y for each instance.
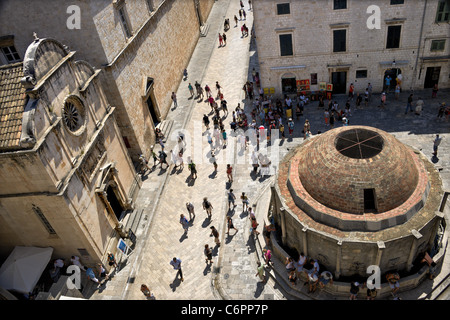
(73, 115)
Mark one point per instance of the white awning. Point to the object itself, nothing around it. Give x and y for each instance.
(23, 268)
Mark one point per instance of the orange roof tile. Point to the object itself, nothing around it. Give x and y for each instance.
(12, 105)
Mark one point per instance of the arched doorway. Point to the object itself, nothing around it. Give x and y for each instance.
(115, 204)
(393, 74)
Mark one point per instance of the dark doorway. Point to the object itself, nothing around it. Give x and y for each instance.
(114, 202)
(151, 108)
(393, 74)
(432, 77)
(288, 85)
(339, 81)
(369, 200)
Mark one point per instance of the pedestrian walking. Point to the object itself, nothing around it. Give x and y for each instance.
(306, 128)
(184, 223)
(255, 225)
(409, 104)
(224, 137)
(369, 89)
(245, 202)
(220, 40)
(231, 198)
(300, 263)
(230, 225)
(215, 234)
(206, 121)
(332, 119)
(290, 126)
(208, 91)
(351, 91)
(174, 157)
(218, 87)
(102, 272)
(190, 209)
(397, 91)
(267, 257)
(207, 206)
(224, 37)
(382, 100)
(208, 254)
(191, 89)
(434, 92)
(244, 14)
(235, 21)
(112, 260)
(163, 158)
(436, 143)
(261, 272)
(229, 173)
(176, 264)
(91, 275)
(441, 111)
(174, 99)
(327, 118)
(366, 97)
(192, 168)
(387, 83)
(240, 15)
(144, 164)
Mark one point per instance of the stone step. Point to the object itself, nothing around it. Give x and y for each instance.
(204, 30)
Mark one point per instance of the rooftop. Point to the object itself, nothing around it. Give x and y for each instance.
(12, 104)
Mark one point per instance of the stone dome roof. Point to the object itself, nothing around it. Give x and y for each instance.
(358, 169)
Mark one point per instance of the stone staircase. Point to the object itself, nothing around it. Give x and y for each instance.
(204, 30)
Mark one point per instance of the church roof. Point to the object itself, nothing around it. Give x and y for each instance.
(12, 104)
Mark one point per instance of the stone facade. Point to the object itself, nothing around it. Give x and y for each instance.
(365, 58)
(145, 66)
(68, 177)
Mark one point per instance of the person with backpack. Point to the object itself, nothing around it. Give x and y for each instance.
(185, 223)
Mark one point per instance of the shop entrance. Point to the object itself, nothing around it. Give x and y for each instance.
(339, 81)
(432, 77)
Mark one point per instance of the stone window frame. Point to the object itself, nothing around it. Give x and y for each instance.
(79, 104)
(333, 40)
(387, 36)
(282, 32)
(120, 7)
(334, 2)
(443, 9)
(435, 47)
(150, 5)
(278, 8)
(10, 54)
(51, 231)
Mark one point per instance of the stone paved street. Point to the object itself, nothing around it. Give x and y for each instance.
(164, 192)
